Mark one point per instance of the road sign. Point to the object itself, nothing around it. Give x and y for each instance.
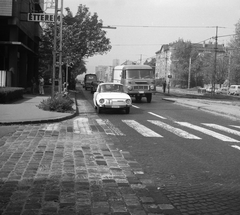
(41, 17)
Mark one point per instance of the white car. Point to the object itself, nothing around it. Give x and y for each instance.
(234, 90)
(111, 95)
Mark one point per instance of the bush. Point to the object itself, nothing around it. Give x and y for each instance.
(9, 94)
(59, 103)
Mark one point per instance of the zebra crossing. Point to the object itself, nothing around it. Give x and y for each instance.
(84, 125)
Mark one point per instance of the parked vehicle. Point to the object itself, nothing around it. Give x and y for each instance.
(234, 90)
(209, 90)
(111, 96)
(138, 80)
(223, 90)
(88, 81)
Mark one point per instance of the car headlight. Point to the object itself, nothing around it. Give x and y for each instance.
(152, 87)
(128, 101)
(129, 88)
(101, 101)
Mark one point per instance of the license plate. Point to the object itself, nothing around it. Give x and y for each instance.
(115, 106)
(141, 92)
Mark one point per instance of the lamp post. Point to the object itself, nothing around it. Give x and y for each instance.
(215, 61)
(54, 48)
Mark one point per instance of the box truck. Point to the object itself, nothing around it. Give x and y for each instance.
(138, 80)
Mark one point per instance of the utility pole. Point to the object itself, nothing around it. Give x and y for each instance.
(229, 66)
(54, 47)
(215, 61)
(189, 72)
(60, 50)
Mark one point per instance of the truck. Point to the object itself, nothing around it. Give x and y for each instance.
(138, 80)
(89, 81)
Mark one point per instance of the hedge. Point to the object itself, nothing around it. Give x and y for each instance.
(9, 94)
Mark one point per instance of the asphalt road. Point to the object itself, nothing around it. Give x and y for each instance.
(200, 173)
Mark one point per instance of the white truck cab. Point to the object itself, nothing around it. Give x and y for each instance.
(138, 80)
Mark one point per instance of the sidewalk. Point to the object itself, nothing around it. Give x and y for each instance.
(218, 104)
(26, 111)
(226, 108)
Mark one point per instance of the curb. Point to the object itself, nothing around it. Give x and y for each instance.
(41, 120)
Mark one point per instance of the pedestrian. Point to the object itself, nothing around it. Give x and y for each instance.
(34, 85)
(41, 84)
(65, 91)
(164, 86)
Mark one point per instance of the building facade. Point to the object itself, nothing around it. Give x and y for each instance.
(19, 41)
(164, 63)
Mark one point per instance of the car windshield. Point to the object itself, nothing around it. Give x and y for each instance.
(111, 88)
(91, 77)
(139, 74)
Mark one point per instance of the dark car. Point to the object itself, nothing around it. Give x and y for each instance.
(89, 79)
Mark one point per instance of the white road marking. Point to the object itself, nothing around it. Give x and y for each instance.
(109, 128)
(208, 132)
(177, 131)
(51, 127)
(222, 128)
(157, 115)
(135, 106)
(235, 126)
(81, 126)
(146, 132)
(236, 147)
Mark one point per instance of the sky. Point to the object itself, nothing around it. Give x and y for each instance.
(143, 26)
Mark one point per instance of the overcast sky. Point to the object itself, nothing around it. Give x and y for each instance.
(144, 25)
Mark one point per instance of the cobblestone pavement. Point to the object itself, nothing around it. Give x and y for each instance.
(49, 171)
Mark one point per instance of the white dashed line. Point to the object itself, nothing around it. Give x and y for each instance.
(157, 115)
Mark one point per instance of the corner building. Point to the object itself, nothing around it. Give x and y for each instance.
(19, 41)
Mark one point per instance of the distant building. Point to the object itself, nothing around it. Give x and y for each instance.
(129, 62)
(104, 73)
(116, 62)
(19, 41)
(164, 62)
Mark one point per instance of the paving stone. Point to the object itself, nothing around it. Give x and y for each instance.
(146, 199)
(100, 207)
(166, 206)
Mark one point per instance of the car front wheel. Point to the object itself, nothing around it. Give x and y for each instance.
(127, 110)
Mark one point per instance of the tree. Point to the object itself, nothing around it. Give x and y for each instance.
(151, 62)
(234, 54)
(83, 37)
(180, 61)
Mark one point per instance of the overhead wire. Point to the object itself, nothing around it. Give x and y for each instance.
(165, 26)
